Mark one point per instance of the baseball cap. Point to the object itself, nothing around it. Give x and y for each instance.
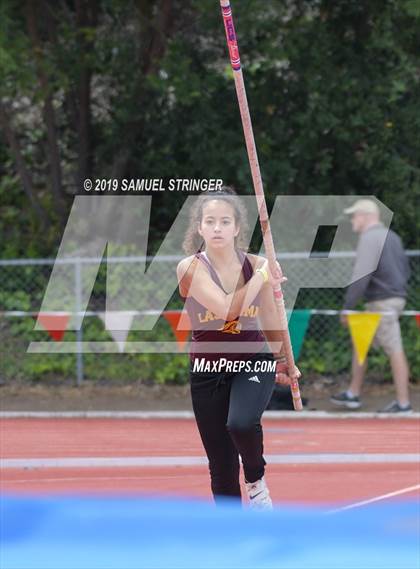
(363, 206)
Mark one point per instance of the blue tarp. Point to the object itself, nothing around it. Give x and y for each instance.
(136, 532)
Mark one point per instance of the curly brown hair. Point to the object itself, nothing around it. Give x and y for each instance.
(193, 242)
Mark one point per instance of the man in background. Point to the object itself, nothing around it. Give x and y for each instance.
(384, 290)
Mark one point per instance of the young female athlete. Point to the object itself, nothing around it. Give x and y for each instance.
(229, 298)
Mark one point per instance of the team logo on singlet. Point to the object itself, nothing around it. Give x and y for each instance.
(250, 312)
(232, 327)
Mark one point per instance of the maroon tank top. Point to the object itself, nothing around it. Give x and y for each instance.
(235, 339)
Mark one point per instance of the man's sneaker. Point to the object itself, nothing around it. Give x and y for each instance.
(345, 400)
(395, 407)
(259, 496)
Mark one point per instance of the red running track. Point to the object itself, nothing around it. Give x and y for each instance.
(306, 483)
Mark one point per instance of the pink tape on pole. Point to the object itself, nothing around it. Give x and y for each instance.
(231, 38)
(278, 294)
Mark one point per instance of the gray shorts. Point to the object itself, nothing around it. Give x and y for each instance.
(388, 334)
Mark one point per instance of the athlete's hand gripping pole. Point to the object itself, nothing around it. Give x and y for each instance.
(259, 192)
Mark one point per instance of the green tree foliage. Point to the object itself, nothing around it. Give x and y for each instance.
(142, 88)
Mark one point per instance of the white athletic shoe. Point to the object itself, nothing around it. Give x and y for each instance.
(259, 496)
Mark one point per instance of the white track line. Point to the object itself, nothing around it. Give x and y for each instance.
(106, 478)
(376, 499)
(190, 415)
(159, 461)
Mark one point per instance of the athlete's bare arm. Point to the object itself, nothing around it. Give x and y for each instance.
(270, 326)
(194, 280)
(270, 322)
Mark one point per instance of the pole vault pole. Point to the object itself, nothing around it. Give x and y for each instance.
(259, 193)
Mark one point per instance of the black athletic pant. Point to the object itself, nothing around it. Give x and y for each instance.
(228, 409)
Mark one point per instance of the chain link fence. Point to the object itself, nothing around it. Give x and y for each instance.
(325, 350)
